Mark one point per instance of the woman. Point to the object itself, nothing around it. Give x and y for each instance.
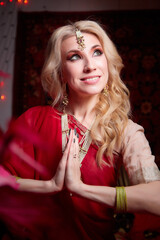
(92, 136)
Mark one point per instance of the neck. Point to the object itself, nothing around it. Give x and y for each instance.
(83, 109)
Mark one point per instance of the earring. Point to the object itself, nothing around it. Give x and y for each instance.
(65, 102)
(105, 91)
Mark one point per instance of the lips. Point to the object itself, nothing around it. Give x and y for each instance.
(91, 78)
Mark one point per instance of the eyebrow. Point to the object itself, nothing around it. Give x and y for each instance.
(95, 46)
(75, 50)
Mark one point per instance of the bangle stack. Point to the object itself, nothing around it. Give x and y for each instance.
(121, 200)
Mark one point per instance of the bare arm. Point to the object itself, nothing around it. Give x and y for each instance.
(142, 197)
(35, 185)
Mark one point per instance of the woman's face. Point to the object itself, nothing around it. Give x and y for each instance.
(85, 72)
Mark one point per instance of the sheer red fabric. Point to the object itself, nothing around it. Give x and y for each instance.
(58, 216)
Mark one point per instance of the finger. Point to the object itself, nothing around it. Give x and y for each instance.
(60, 172)
(69, 143)
(73, 146)
(77, 146)
(62, 164)
(73, 157)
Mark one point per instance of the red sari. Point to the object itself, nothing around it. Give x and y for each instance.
(75, 217)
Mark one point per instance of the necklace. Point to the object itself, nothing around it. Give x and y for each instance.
(84, 143)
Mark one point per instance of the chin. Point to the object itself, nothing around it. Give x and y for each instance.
(90, 94)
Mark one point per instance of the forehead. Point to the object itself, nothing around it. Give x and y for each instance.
(70, 43)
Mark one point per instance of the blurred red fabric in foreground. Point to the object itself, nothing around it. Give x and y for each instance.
(34, 216)
(28, 215)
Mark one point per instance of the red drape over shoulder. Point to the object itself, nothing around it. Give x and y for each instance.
(84, 219)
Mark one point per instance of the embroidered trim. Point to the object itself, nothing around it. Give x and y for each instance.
(84, 143)
(145, 175)
(65, 131)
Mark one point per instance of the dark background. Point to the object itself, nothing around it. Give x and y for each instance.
(136, 36)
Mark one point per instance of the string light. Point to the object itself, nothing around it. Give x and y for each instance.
(3, 97)
(1, 84)
(2, 3)
(3, 77)
(25, 1)
(19, 2)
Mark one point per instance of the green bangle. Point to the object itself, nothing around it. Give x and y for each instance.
(17, 177)
(121, 200)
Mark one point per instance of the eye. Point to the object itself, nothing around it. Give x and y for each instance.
(97, 52)
(74, 57)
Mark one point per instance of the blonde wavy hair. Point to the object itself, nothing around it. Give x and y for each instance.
(113, 108)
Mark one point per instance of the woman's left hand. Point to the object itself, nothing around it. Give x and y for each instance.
(73, 173)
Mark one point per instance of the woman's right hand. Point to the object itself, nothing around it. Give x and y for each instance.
(56, 184)
(73, 180)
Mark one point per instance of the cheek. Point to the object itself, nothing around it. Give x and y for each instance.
(103, 64)
(69, 78)
(66, 74)
(105, 67)
(69, 71)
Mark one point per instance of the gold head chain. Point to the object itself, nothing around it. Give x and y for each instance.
(80, 39)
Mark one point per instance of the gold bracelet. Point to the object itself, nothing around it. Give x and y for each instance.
(121, 200)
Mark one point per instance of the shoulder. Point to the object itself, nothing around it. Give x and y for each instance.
(40, 110)
(132, 128)
(38, 115)
(133, 134)
(137, 156)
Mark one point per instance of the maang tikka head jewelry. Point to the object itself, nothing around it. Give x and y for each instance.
(80, 39)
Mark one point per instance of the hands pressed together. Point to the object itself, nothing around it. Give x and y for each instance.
(68, 172)
(141, 197)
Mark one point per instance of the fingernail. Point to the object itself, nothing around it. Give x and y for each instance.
(69, 131)
(77, 135)
(74, 140)
(75, 132)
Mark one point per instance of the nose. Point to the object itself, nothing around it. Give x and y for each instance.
(89, 66)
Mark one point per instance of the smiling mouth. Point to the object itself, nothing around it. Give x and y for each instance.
(90, 79)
